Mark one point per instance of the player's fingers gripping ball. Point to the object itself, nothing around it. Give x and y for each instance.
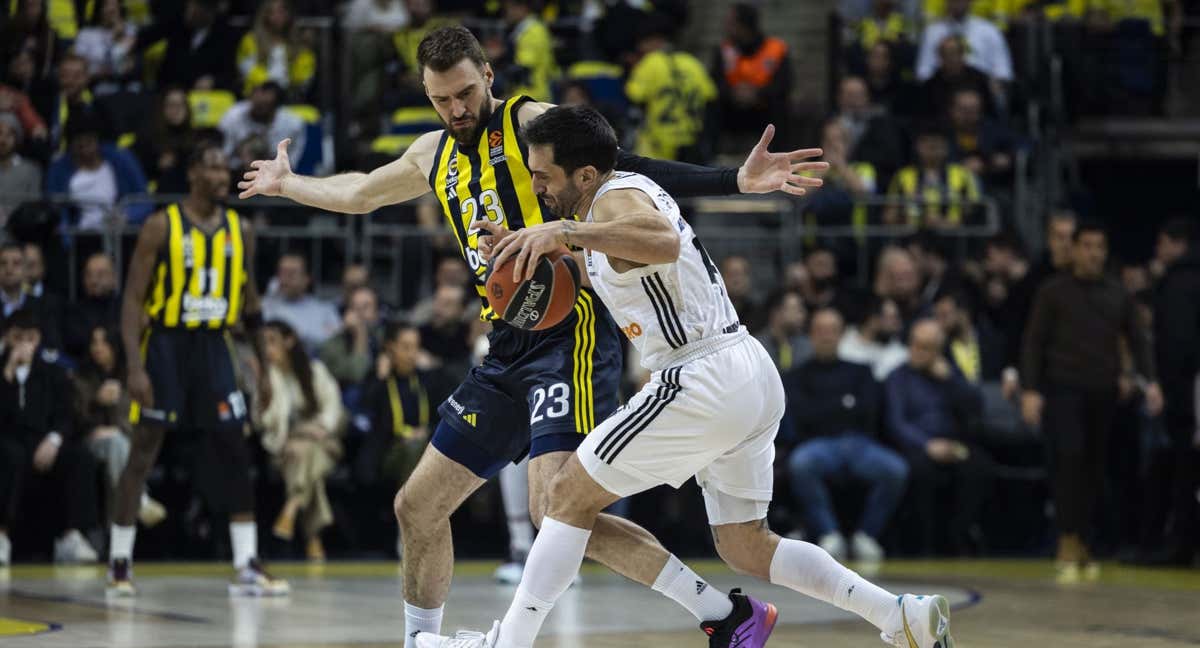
(540, 302)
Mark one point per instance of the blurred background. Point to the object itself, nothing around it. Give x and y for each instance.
(986, 319)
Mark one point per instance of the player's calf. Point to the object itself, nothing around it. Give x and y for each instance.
(747, 547)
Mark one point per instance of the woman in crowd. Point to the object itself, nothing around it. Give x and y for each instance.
(301, 416)
(164, 145)
(107, 44)
(274, 51)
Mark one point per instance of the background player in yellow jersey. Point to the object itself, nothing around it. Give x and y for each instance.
(191, 280)
(539, 392)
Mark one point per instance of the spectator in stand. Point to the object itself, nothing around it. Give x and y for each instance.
(51, 306)
(21, 77)
(71, 97)
(96, 175)
(261, 116)
(98, 308)
(884, 24)
(954, 74)
(301, 418)
(898, 278)
(446, 336)
(349, 353)
(890, 86)
(422, 19)
(314, 319)
(935, 192)
(450, 271)
(164, 145)
(29, 30)
(1004, 269)
(875, 137)
(369, 25)
(14, 298)
(847, 182)
(739, 285)
(274, 51)
(108, 46)
(874, 342)
(982, 145)
(524, 58)
(932, 255)
(1071, 360)
(784, 336)
(674, 91)
(974, 347)
(931, 413)
(102, 410)
(835, 405)
(986, 48)
(20, 179)
(199, 47)
(823, 288)
(1177, 347)
(354, 276)
(401, 409)
(753, 73)
(15, 103)
(35, 270)
(37, 444)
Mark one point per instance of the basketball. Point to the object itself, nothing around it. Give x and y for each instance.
(541, 302)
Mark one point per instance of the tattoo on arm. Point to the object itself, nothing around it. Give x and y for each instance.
(568, 230)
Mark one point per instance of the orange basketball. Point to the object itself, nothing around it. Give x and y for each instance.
(541, 302)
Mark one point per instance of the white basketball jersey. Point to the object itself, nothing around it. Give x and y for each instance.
(672, 311)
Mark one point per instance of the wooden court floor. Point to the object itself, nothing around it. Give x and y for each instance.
(998, 604)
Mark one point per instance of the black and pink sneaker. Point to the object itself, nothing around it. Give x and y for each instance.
(748, 626)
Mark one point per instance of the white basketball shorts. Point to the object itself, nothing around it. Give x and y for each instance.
(714, 417)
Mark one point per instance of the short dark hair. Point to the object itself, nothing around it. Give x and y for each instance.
(9, 246)
(1005, 240)
(1181, 228)
(394, 328)
(196, 156)
(1089, 227)
(746, 14)
(444, 47)
(23, 318)
(579, 136)
(776, 298)
(85, 122)
(294, 255)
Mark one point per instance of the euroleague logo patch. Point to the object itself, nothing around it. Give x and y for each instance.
(495, 138)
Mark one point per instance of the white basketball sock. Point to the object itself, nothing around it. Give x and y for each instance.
(678, 582)
(808, 569)
(120, 542)
(514, 491)
(244, 538)
(553, 562)
(420, 620)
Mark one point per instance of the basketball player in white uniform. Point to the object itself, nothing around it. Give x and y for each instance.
(711, 410)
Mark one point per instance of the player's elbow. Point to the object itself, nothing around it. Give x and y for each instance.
(666, 248)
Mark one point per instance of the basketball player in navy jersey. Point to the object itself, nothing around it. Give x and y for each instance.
(540, 392)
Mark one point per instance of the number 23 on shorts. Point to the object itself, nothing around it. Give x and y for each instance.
(550, 402)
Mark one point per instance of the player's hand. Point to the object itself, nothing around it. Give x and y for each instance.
(1031, 408)
(139, 388)
(765, 172)
(487, 242)
(1154, 399)
(528, 245)
(265, 177)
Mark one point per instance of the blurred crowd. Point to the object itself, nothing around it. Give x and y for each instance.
(1024, 385)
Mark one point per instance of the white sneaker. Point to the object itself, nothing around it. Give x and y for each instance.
(509, 573)
(73, 548)
(834, 544)
(463, 639)
(925, 623)
(5, 550)
(865, 548)
(255, 580)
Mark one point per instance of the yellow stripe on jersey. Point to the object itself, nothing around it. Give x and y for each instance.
(236, 267)
(220, 266)
(174, 243)
(531, 209)
(196, 285)
(585, 345)
(158, 296)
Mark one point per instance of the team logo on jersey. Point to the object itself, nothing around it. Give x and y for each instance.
(496, 152)
(632, 331)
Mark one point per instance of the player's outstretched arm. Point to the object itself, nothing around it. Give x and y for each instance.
(349, 193)
(762, 172)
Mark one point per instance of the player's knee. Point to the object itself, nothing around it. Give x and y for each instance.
(746, 549)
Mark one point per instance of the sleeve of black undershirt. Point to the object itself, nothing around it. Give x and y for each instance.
(1037, 331)
(680, 179)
